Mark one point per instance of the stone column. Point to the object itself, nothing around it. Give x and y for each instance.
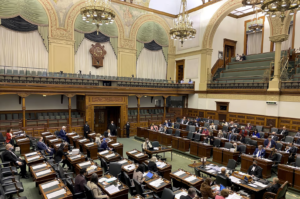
(23, 96)
(138, 97)
(205, 68)
(165, 106)
(69, 96)
(277, 39)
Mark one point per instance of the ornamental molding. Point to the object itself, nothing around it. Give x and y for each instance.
(127, 50)
(23, 94)
(61, 41)
(206, 51)
(279, 38)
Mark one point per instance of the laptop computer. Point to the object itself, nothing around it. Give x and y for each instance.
(148, 176)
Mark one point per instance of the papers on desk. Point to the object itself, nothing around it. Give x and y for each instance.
(161, 164)
(89, 144)
(51, 184)
(56, 193)
(190, 179)
(77, 136)
(139, 154)
(45, 133)
(39, 166)
(234, 179)
(70, 133)
(134, 151)
(30, 154)
(108, 180)
(75, 157)
(156, 183)
(102, 180)
(92, 133)
(115, 144)
(122, 161)
(260, 184)
(21, 140)
(155, 148)
(179, 173)
(43, 172)
(112, 189)
(82, 140)
(84, 163)
(265, 159)
(234, 196)
(129, 167)
(54, 140)
(110, 155)
(57, 145)
(49, 136)
(181, 194)
(252, 185)
(33, 158)
(211, 171)
(103, 152)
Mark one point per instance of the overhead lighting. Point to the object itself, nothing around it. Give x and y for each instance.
(281, 6)
(255, 25)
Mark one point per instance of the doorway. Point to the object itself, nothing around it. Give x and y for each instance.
(222, 110)
(229, 49)
(104, 115)
(179, 70)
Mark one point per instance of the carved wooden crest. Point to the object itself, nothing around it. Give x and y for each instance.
(97, 51)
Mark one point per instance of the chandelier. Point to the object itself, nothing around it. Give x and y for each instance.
(251, 2)
(183, 26)
(98, 12)
(255, 25)
(270, 7)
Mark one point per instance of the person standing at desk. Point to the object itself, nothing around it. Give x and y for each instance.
(63, 134)
(113, 129)
(269, 143)
(80, 181)
(259, 152)
(127, 126)
(86, 129)
(9, 137)
(42, 146)
(255, 170)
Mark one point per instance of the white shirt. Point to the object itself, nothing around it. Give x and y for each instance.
(253, 168)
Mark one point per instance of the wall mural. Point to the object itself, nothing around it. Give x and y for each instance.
(142, 2)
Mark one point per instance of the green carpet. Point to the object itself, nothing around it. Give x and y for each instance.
(179, 161)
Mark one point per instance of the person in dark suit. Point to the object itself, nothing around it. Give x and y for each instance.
(104, 145)
(113, 129)
(80, 181)
(274, 136)
(9, 156)
(42, 146)
(259, 152)
(58, 157)
(187, 122)
(298, 141)
(269, 143)
(63, 134)
(183, 120)
(275, 186)
(231, 136)
(283, 132)
(86, 129)
(237, 147)
(242, 139)
(196, 123)
(152, 165)
(209, 139)
(225, 176)
(191, 194)
(200, 129)
(273, 155)
(127, 126)
(292, 150)
(255, 133)
(255, 170)
(234, 129)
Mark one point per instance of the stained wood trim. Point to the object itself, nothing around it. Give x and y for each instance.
(179, 62)
(245, 35)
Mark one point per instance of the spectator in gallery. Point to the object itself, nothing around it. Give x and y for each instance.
(190, 81)
(237, 58)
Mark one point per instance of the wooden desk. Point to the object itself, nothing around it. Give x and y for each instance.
(49, 137)
(45, 134)
(109, 156)
(91, 135)
(70, 136)
(246, 162)
(52, 142)
(160, 150)
(194, 148)
(227, 155)
(152, 135)
(80, 143)
(286, 173)
(118, 147)
(121, 194)
(218, 155)
(42, 172)
(297, 182)
(175, 142)
(133, 155)
(91, 150)
(73, 140)
(33, 158)
(56, 187)
(183, 144)
(166, 139)
(140, 132)
(75, 159)
(165, 171)
(113, 139)
(166, 184)
(284, 158)
(88, 164)
(266, 166)
(260, 141)
(182, 178)
(204, 150)
(128, 167)
(24, 145)
(56, 147)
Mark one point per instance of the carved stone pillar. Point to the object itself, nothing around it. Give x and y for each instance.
(127, 60)
(23, 96)
(70, 107)
(277, 39)
(205, 68)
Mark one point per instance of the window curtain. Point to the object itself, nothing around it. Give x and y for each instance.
(22, 49)
(151, 64)
(254, 43)
(83, 60)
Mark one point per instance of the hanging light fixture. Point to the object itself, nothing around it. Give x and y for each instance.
(251, 2)
(255, 25)
(98, 12)
(183, 26)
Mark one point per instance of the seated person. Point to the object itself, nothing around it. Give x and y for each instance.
(206, 190)
(275, 186)
(63, 134)
(231, 124)
(259, 152)
(220, 134)
(242, 139)
(243, 132)
(298, 141)
(58, 157)
(256, 134)
(205, 131)
(248, 127)
(231, 136)
(165, 129)
(200, 130)
(138, 174)
(93, 185)
(269, 143)
(160, 128)
(243, 57)
(182, 82)
(9, 156)
(167, 124)
(152, 164)
(147, 144)
(42, 146)
(104, 145)
(9, 137)
(108, 133)
(80, 181)
(237, 58)
(224, 175)
(212, 126)
(190, 81)
(98, 139)
(292, 150)
(187, 122)
(273, 155)
(196, 123)
(209, 139)
(183, 120)
(297, 134)
(274, 136)
(198, 119)
(236, 147)
(234, 129)
(224, 194)
(283, 132)
(191, 194)
(255, 170)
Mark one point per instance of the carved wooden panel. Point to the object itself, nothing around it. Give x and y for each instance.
(270, 122)
(107, 99)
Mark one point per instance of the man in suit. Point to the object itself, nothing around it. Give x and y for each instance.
(231, 124)
(113, 129)
(127, 126)
(209, 120)
(274, 136)
(269, 143)
(166, 123)
(183, 120)
(86, 129)
(191, 194)
(104, 145)
(63, 134)
(255, 170)
(292, 150)
(231, 136)
(200, 129)
(235, 129)
(283, 132)
(10, 156)
(160, 128)
(80, 181)
(275, 186)
(42, 146)
(225, 176)
(187, 122)
(259, 152)
(236, 147)
(196, 123)
(198, 119)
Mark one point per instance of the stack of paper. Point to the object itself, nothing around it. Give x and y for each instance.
(53, 140)
(115, 144)
(260, 184)
(85, 163)
(139, 154)
(33, 158)
(160, 164)
(110, 155)
(112, 189)
(77, 136)
(21, 140)
(234, 179)
(181, 194)
(190, 179)
(234, 196)
(155, 148)
(29, 154)
(49, 136)
(102, 179)
(70, 133)
(51, 184)
(134, 151)
(110, 179)
(122, 161)
(156, 183)
(56, 193)
(92, 134)
(179, 173)
(58, 145)
(39, 166)
(44, 133)
(89, 144)
(75, 157)
(82, 140)
(43, 172)
(103, 152)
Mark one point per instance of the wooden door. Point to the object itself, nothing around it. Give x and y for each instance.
(100, 124)
(179, 70)
(229, 49)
